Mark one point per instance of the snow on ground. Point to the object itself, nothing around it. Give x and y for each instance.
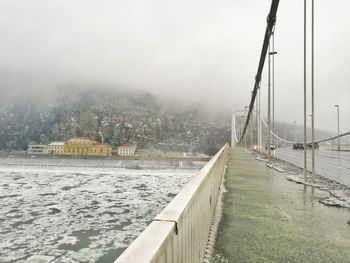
(78, 210)
(339, 194)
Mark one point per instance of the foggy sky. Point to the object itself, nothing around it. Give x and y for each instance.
(199, 51)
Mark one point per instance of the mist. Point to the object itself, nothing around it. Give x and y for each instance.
(202, 53)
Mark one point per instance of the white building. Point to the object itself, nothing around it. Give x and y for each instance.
(127, 150)
(55, 148)
(37, 149)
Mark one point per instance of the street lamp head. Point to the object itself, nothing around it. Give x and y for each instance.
(336, 105)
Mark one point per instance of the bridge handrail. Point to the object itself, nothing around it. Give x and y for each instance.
(180, 232)
(334, 137)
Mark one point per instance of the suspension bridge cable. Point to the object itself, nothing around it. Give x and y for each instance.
(275, 135)
(291, 142)
(334, 137)
(271, 21)
(281, 139)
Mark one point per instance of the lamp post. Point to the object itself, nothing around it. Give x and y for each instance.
(233, 142)
(295, 132)
(269, 105)
(337, 106)
(272, 53)
(251, 126)
(257, 121)
(246, 111)
(305, 150)
(313, 150)
(251, 130)
(312, 92)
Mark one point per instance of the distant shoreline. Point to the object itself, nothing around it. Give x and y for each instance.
(94, 157)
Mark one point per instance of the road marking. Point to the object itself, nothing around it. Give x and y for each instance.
(309, 159)
(335, 166)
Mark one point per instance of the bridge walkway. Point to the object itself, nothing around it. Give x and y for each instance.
(269, 219)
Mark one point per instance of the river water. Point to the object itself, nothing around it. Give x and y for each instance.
(77, 210)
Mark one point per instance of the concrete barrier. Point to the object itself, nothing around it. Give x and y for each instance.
(180, 232)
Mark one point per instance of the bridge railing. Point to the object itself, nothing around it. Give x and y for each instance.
(179, 234)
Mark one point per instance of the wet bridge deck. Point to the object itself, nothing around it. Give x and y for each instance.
(269, 219)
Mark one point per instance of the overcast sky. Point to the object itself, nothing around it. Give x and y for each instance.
(195, 50)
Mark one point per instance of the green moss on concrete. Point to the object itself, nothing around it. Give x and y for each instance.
(269, 219)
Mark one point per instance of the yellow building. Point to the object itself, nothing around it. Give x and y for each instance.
(86, 146)
(56, 148)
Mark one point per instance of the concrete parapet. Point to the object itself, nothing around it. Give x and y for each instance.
(180, 232)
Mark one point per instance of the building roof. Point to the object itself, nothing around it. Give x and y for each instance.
(127, 145)
(89, 141)
(57, 144)
(82, 139)
(105, 144)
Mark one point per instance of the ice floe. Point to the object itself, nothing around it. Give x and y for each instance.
(77, 211)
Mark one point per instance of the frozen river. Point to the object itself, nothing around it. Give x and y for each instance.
(68, 210)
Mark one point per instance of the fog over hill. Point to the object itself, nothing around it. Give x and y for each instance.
(120, 116)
